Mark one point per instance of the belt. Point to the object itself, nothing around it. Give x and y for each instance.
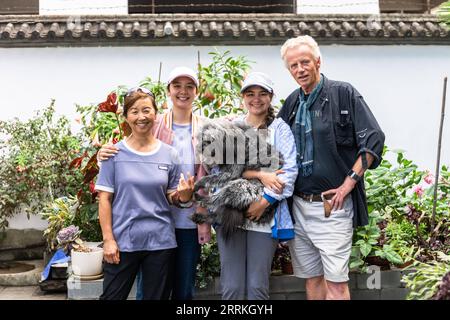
(317, 198)
(312, 197)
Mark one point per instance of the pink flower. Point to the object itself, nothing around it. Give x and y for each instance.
(96, 141)
(78, 119)
(429, 178)
(418, 190)
(116, 131)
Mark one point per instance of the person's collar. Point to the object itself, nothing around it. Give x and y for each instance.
(307, 94)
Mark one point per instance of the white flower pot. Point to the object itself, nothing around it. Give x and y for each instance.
(87, 263)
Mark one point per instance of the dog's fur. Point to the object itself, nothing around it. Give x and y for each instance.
(228, 206)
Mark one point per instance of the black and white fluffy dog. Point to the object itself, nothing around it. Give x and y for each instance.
(227, 150)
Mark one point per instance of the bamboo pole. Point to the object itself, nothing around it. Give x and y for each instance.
(199, 79)
(438, 160)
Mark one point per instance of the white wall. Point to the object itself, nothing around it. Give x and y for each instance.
(338, 6)
(21, 221)
(402, 84)
(84, 7)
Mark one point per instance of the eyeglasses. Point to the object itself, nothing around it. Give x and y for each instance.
(141, 89)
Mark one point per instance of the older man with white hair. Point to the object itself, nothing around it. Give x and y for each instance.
(337, 139)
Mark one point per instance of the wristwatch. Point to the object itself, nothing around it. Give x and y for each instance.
(352, 174)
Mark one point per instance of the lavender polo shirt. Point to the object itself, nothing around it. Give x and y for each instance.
(141, 215)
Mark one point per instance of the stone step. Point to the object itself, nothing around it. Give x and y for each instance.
(89, 289)
(282, 287)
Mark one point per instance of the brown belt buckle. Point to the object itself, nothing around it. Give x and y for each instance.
(326, 206)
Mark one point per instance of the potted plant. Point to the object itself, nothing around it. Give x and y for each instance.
(282, 260)
(86, 261)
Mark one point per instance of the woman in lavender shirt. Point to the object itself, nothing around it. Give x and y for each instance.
(135, 216)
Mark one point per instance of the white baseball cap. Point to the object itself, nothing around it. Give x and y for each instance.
(258, 79)
(183, 72)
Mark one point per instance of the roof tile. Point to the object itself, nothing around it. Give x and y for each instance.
(247, 29)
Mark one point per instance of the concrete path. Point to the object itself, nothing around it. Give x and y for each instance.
(28, 293)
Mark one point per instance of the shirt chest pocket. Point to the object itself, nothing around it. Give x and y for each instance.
(343, 127)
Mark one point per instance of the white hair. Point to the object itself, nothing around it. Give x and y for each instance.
(300, 41)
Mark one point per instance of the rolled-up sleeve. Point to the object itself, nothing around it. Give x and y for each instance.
(368, 134)
(285, 144)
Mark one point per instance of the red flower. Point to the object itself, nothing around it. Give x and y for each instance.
(115, 140)
(92, 186)
(110, 105)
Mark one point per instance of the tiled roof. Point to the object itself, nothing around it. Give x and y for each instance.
(232, 29)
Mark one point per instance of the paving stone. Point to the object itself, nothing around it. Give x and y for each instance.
(352, 280)
(17, 293)
(394, 294)
(296, 296)
(391, 279)
(366, 294)
(286, 283)
(208, 291)
(89, 290)
(388, 279)
(278, 296)
(217, 286)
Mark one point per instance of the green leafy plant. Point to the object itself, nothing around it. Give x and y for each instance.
(220, 85)
(209, 265)
(425, 280)
(59, 214)
(35, 156)
(282, 259)
(444, 12)
(400, 201)
(369, 245)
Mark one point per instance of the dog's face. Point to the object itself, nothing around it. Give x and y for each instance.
(212, 146)
(222, 142)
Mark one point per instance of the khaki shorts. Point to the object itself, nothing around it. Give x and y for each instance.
(321, 246)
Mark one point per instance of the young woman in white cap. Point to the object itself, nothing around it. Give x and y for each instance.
(177, 127)
(246, 256)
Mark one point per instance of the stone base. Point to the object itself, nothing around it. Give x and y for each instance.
(89, 289)
(283, 287)
(53, 286)
(26, 244)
